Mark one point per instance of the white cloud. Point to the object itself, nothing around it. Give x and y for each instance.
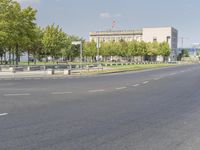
(105, 15)
(28, 1)
(118, 15)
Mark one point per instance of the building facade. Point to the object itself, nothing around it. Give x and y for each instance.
(156, 34)
(106, 36)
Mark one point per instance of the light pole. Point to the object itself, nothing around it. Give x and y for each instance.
(98, 46)
(81, 51)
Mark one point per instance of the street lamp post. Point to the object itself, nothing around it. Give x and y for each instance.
(98, 46)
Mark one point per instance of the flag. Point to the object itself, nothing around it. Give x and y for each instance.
(113, 24)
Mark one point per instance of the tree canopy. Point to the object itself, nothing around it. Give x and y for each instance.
(19, 33)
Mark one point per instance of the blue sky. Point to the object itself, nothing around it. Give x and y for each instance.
(80, 17)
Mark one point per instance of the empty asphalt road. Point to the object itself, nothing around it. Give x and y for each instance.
(147, 110)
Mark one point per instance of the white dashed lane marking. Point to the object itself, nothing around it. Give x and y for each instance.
(145, 82)
(60, 93)
(3, 114)
(121, 88)
(171, 74)
(17, 94)
(157, 79)
(135, 85)
(94, 91)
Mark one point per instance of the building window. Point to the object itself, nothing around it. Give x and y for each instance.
(168, 39)
(154, 39)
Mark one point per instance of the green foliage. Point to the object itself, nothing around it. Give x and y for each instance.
(90, 49)
(20, 33)
(16, 26)
(72, 51)
(141, 49)
(184, 53)
(153, 49)
(35, 47)
(164, 49)
(104, 49)
(54, 41)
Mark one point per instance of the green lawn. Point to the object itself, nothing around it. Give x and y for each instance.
(112, 69)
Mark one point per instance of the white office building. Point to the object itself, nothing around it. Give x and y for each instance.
(156, 34)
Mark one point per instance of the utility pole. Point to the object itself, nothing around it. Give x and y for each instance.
(113, 24)
(98, 47)
(182, 40)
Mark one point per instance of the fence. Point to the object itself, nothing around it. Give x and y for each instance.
(60, 69)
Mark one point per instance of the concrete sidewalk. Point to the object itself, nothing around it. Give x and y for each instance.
(43, 74)
(30, 74)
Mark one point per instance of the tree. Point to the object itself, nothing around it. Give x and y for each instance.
(54, 40)
(104, 50)
(73, 51)
(16, 26)
(164, 49)
(90, 49)
(132, 49)
(9, 11)
(152, 50)
(184, 53)
(122, 49)
(35, 47)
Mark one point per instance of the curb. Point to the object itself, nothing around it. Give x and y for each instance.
(80, 76)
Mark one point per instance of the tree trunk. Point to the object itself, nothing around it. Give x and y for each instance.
(13, 58)
(10, 61)
(17, 54)
(28, 57)
(2, 60)
(5, 59)
(34, 58)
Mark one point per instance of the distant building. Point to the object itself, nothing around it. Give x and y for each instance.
(106, 36)
(157, 34)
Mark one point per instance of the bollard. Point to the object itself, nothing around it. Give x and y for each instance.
(50, 72)
(67, 72)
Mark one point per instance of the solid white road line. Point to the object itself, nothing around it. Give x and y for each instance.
(94, 91)
(17, 94)
(60, 93)
(121, 88)
(4, 114)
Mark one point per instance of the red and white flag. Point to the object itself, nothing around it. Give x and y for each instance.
(113, 24)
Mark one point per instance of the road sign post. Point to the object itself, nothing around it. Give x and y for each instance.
(81, 51)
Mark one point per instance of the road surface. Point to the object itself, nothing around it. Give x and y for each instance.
(147, 110)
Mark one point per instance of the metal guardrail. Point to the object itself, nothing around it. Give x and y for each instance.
(72, 67)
